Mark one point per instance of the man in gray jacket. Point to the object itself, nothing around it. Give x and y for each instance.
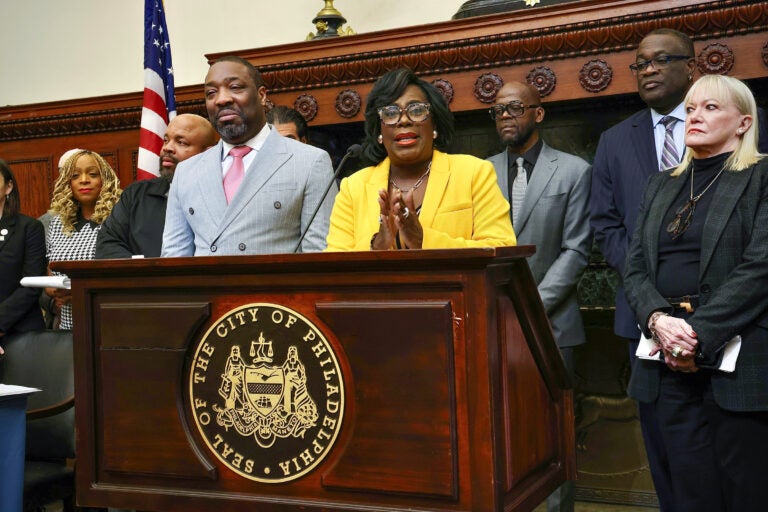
(548, 191)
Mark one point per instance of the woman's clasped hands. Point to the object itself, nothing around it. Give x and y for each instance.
(397, 216)
(677, 339)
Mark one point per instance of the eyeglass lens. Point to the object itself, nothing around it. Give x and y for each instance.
(416, 112)
(514, 109)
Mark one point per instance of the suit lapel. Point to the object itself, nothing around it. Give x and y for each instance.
(211, 183)
(268, 160)
(727, 194)
(542, 174)
(501, 164)
(439, 175)
(645, 148)
(7, 231)
(378, 180)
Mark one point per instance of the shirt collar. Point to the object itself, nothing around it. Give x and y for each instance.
(256, 142)
(678, 113)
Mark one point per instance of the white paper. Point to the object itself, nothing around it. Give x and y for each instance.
(10, 390)
(62, 282)
(728, 364)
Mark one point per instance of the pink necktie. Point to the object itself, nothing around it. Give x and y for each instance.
(236, 172)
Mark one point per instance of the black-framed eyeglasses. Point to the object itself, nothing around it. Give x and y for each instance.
(416, 112)
(513, 108)
(659, 62)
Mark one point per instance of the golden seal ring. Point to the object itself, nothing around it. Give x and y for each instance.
(677, 351)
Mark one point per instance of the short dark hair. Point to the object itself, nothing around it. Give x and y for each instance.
(282, 114)
(386, 90)
(680, 36)
(252, 70)
(13, 202)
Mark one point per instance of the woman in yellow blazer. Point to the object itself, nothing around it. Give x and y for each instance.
(416, 197)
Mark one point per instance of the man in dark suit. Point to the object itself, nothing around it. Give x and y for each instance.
(551, 212)
(135, 225)
(626, 156)
(255, 192)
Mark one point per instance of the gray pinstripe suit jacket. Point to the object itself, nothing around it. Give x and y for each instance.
(733, 283)
(273, 206)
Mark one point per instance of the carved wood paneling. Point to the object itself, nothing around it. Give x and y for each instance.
(512, 46)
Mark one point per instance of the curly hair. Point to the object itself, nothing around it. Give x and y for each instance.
(64, 203)
(390, 86)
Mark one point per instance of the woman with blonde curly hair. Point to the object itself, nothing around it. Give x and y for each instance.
(85, 192)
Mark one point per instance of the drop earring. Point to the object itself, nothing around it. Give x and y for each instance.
(434, 134)
(380, 139)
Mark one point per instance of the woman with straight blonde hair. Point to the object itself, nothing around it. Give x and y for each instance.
(697, 279)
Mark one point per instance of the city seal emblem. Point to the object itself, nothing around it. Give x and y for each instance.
(266, 392)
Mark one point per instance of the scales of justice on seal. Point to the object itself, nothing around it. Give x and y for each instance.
(410, 380)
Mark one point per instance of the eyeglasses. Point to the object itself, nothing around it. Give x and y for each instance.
(660, 62)
(513, 108)
(416, 112)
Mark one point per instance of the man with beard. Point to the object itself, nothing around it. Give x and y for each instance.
(549, 194)
(135, 225)
(255, 192)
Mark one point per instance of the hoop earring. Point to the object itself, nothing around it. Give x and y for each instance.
(380, 139)
(434, 134)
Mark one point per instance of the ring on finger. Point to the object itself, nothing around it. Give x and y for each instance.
(406, 212)
(677, 351)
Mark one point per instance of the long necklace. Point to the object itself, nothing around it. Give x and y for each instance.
(684, 214)
(415, 185)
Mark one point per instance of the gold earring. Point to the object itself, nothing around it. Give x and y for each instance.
(380, 139)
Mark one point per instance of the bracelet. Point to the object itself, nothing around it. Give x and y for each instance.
(652, 324)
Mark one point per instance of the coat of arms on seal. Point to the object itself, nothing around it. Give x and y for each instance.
(266, 392)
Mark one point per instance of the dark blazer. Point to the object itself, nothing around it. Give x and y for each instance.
(625, 158)
(733, 283)
(22, 254)
(135, 225)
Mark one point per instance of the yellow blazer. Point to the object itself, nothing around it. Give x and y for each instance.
(463, 206)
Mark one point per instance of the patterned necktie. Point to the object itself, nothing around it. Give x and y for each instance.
(518, 190)
(669, 156)
(236, 171)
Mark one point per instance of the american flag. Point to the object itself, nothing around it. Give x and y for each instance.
(159, 101)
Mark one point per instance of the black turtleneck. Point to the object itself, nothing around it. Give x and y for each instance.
(679, 259)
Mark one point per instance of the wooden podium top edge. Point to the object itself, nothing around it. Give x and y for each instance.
(437, 259)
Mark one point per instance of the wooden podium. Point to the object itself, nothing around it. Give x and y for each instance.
(377, 381)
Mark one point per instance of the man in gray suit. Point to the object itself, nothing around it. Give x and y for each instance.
(548, 191)
(277, 186)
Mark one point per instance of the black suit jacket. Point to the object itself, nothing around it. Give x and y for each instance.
(22, 254)
(733, 283)
(135, 225)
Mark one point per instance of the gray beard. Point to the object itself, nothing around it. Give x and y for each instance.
(232, 132)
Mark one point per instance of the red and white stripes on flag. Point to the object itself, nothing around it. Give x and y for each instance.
(159, 102)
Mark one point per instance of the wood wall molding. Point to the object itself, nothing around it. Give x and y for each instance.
(571, 52)
(566, 37)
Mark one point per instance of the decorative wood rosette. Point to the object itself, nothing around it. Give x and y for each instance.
(486, 87)
(543, 79)
(715, 59)
(595, 75)
(306, 105)
(445, 87)
(348, 103)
